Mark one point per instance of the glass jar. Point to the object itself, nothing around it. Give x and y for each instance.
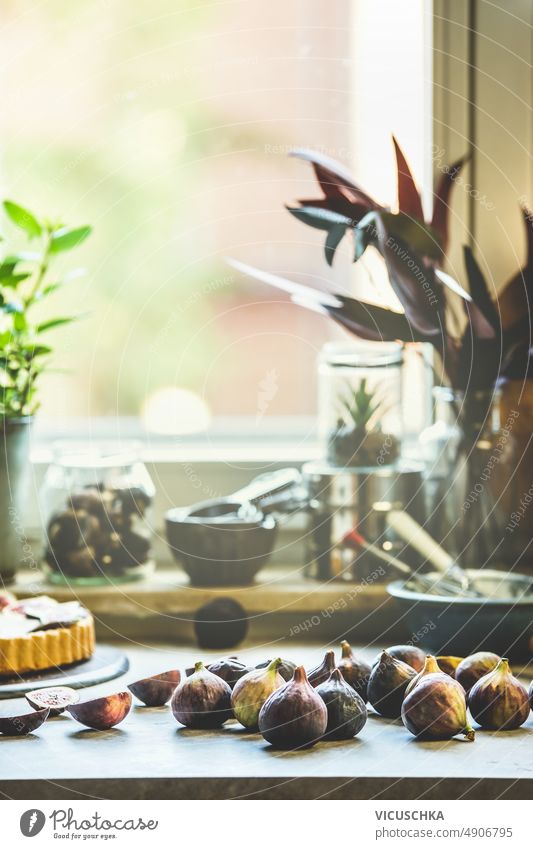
(470, 460)
(360, 403)
(95, 503)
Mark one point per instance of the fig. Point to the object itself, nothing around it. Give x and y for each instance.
(286, 669)
(387, 685)
(355, 671)
(346, 709)
(436, 709)
(220, 624)
(531, 695)
(102, 713)
(498, 701)
(294, 717)
(411, 655)
(251, 692)
(474, 667)
(431, 667)
(54, 698)
(449, 664)
(324, 669)
(230, 669)
(25, 723)
(203, 700)
(156, 690)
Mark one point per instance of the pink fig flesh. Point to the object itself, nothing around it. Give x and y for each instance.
(103, 713)
(157, 690)
(498, 701)
(56, 699)
(25, 723)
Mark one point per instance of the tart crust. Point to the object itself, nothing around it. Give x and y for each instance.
(45, 649)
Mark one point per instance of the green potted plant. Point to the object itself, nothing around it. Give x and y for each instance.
(25, 283)
(358, 438)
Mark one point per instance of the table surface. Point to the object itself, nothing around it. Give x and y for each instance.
(150, 755)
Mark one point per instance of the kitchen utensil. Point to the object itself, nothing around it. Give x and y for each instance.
(225, 541)
(419, 539)
(343, 499)
(499, 620)
(417, 580)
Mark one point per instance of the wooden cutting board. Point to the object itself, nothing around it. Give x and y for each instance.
(106, 663)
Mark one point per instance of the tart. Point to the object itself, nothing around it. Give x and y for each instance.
(40, 633)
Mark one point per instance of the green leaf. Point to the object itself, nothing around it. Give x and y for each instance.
(65, 239)
(55, 322)
(38, 351)
(322, 219)
(14, 280)
(333, 241)
(23, 218)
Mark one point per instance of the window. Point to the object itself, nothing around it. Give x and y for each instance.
(167, 125)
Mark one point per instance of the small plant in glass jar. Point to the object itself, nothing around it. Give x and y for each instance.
(359, 438)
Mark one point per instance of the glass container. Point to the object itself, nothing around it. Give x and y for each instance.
(95, 504)
(470, 462)
(360, 403)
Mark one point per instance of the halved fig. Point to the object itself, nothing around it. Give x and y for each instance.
(55, 698)
(156, 690)
(24, 723)
(102, 713)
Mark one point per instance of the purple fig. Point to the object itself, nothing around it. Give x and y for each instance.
(286, 669)
(499, 701)
(230, 669)
(324, 669)
(355, 671)
(387, 685)
(104, 713)
(203, 700)
(294, 716)
(431, 667)
(156, 690)
(25, 723)
(531, 695)
(251, 692)
(346, 709)
(474, 667)
(411, 655)
(436, 709)
(54, 698)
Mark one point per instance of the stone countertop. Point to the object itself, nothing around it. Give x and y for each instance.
(150, 756)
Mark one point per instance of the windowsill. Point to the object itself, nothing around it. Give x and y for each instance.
(282, 603)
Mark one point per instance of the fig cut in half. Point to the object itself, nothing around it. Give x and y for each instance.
(54, 698)
(25, 723)
(103, 713)
(156, 690)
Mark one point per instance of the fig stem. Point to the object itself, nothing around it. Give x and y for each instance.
(346, 649)
(274, 665)
(469, 733)
(198, 666)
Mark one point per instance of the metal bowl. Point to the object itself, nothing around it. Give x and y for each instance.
(500, 621)
(220, 549)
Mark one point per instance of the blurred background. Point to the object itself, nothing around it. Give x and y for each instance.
(167, 127)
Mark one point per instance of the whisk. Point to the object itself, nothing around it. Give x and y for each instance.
(445, 584)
